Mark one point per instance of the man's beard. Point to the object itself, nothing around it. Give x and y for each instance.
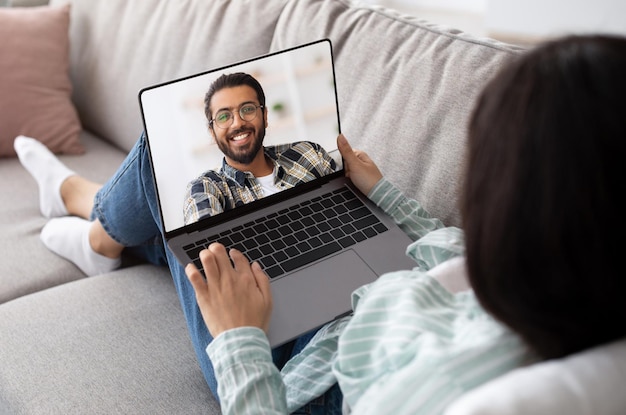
(246, 154)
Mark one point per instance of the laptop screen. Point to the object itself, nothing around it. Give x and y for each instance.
(301, 105)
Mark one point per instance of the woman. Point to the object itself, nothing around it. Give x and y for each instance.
(540, 248)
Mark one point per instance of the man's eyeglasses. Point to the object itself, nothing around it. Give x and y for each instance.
(224, 118)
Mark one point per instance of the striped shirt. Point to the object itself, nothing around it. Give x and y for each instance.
(411, 347)
(217, 191)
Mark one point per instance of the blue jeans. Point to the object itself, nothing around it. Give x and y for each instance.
(127, 208)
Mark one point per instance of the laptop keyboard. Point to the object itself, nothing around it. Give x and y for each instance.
(299, 235)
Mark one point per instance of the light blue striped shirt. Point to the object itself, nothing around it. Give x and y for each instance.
(411, 347)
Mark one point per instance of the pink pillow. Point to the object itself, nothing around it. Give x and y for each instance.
(35, 88)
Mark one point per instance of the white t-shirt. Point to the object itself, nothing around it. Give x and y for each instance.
(268, 185)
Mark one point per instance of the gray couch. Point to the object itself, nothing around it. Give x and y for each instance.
(118, 343)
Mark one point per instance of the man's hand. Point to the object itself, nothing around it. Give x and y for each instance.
(231, 296)
(359, 167)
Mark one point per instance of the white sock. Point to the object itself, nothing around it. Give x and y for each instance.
(69, 238)
(47, 170)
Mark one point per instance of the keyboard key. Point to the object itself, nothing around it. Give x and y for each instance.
(262, 239)
(249, 244)
(273, 235)
(380, 227)
(327, 203)
(305, 211)
(290, 240)
(254, 254)
(370, 232)
(303, 246)
(311, 256)
(337, 233)
(301, 236)
(274, 271)
(366, 222)
(278, 245)
(323, 226)
(345, 218)
(260, 228)
(316, 207)
(236, 237)
(337, 198)
(359, 213)
(280, 256)
(353, 204)
(346, 242)
(194, 252)
(248, 233)
(296, 226)
(359, 236)
(312, 231)
(226, 241)
(267, 261)
(295, 215)
(326, 237)
(318, 217)
(315, 242)
(266, 249)
(348, 229)
(283, 220)
(285, 230)
(334, 223)
(307, 221)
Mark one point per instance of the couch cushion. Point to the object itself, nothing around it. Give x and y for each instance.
(26, 265)
(405, 88)
(120, 46)
(115, 343)
(34, 79)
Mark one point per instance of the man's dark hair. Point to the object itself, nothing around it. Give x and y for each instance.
(542, 202)
(230, 81)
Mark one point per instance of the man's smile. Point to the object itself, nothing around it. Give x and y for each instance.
(241, 135)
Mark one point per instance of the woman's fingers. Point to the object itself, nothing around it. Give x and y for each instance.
(195, 277)
(234, 294)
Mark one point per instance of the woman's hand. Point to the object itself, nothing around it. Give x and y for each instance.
(361, 170)
(233, 295)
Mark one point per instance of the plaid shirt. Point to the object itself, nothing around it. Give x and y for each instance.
(215, 192)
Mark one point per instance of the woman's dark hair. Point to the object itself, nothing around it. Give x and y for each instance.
(542, 201)
(230, 81)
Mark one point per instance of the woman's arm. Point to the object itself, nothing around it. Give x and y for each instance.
(248, 380)
(236, 303)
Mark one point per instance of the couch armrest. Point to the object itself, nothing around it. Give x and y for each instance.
(590, 382)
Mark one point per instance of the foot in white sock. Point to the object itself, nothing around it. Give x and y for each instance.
(69, 238)
(47, 170)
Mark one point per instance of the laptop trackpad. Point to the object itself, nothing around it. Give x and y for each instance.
(315, 295)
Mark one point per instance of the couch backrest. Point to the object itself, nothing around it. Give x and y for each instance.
(121, 46)
(406, 89)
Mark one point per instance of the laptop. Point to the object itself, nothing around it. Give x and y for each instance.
(317, 241)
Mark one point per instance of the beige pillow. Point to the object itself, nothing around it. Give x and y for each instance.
(35, 89)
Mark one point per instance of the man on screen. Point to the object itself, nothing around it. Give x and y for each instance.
(237, 116)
